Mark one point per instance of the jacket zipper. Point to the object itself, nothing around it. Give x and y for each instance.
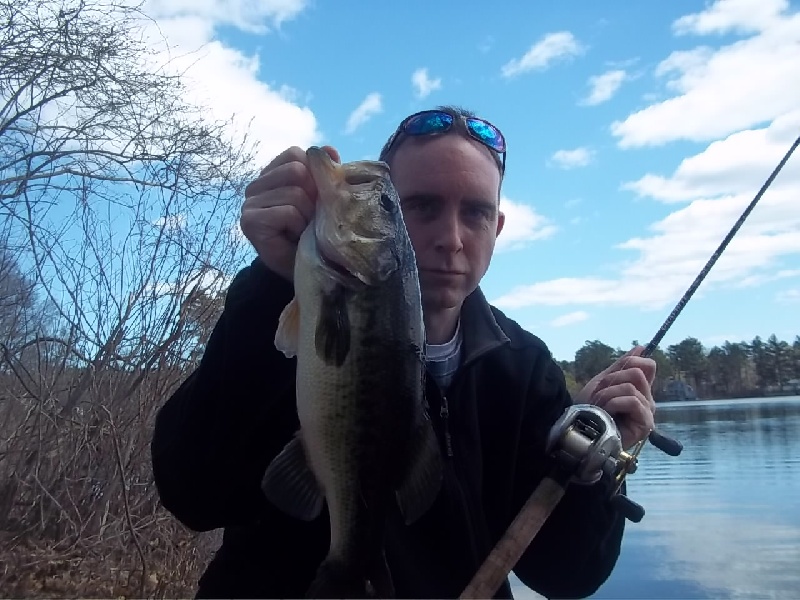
(444, 410)
(467, 504)
(444, 413)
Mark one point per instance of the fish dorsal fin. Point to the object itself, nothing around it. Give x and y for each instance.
(332, 339)
(291, 485)
(419, 488)
(288, 332)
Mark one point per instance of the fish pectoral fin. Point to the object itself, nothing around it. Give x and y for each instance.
(288, 331)
(332, 337)
(418, 490)
(291, 485)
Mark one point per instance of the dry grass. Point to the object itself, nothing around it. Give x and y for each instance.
(79, 514)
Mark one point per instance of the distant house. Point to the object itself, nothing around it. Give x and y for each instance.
(791, 386)
(676, 390)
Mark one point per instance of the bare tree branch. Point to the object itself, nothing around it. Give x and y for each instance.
(118, 199)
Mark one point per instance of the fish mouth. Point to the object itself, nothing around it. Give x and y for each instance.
(322, 166)
(330, 175)
(337, 269)
(336, 266)
(351, 278)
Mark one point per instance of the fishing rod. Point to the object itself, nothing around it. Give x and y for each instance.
(656, 438)
(587, 446)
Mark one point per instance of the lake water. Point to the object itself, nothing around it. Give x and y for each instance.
(722, 519)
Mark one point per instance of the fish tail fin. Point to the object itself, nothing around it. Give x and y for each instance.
(337, 579)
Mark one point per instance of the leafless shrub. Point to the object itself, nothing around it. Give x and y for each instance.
(118, 202)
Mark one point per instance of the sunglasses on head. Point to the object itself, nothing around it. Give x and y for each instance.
(430, 122)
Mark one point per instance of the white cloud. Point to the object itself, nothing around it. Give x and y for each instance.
(522, 225)
(732, 16)
(720, 339)
(711, 550)
(561, 45)
(226, 81)
(788, 296)
(369, 107)
(738, 164)
(604, 86)
(236, 235)
(209, 280)
(171, 222)
(762, 278)
(569, 319)
(668, 259)
(423, 84)
(242, 14)
(569, 159)
(717, 91)
(743, 100)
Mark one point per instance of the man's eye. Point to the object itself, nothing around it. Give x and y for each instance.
(478, 212)
(419, 206)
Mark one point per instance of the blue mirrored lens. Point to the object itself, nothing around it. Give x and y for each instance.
(488, 134)
(428, 123)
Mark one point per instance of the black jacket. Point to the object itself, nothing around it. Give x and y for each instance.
(218, 432)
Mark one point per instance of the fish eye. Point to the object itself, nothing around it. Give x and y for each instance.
(387, 203)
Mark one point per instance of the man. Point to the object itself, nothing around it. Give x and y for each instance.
(494, 394)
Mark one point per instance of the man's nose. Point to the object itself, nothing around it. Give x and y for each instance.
(449, 235)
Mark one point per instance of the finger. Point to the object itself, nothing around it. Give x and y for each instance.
(263, 225)
(287, 196)
(648, 365)
(631, 413)
(290, 174)
(292, 154)
(626, 389)
(634, 375)
(645, 366)
(601, 397)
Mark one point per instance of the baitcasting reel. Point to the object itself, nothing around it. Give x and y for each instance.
(585, 441)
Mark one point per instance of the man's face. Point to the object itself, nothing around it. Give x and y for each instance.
(448, 188)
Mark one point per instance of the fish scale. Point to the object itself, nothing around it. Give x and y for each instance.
(355, 328)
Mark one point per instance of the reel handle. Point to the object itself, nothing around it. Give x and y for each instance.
(665, 443)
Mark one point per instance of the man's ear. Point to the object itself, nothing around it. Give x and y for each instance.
(501, 220)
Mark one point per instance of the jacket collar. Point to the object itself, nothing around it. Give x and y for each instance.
(480, 330)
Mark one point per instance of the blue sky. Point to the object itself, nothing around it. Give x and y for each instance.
(637, 134)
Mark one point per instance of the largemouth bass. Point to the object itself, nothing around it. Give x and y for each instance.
(355, 327)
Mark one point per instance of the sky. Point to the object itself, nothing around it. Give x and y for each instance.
(637, 134)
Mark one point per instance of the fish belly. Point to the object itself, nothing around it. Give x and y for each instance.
(357, 419)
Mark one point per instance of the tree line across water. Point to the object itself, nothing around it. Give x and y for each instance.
(743, 369)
